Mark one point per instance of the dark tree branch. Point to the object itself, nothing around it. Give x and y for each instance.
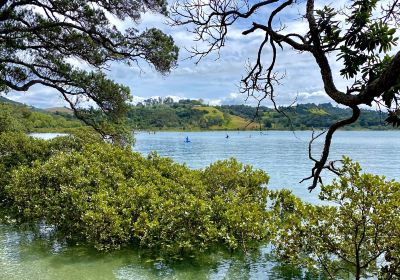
(39, 38)
(321, 163)
(360, 54)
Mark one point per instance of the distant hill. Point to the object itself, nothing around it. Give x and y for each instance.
(155, 114)
(227, 121)
(15, 116)
(59, 110)
(159, 114)
(187, 117)
(9, 101)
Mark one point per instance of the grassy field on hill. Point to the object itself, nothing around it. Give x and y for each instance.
(59, 110)
(230, 122)
(193, 115)
(155, 114)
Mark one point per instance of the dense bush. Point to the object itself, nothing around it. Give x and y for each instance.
(109, 197)
(18, 149)
(357, 235)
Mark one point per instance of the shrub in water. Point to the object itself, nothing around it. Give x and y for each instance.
(356, 235)
(109, 197)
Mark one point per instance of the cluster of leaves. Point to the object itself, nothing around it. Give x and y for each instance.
(364, 48)
(365, 39)
(18, 149)
(357, 233)
(41, 38)
(22, 118)
(109, 197)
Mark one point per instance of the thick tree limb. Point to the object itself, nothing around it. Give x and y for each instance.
(359, 48)
(388, 79)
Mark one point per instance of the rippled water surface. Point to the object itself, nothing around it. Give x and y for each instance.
(283, 155)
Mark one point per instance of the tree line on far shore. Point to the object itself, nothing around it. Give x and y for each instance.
(165, 113)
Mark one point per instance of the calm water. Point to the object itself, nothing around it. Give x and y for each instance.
(283, 155)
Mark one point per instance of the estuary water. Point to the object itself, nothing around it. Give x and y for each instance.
(282, 154)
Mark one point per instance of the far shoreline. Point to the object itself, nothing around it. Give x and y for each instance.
(135, 131)
(257, 130)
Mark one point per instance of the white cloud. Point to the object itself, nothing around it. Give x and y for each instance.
(215, 81)
(38, 96)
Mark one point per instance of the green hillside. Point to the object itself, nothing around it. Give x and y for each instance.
(17, 117)
(59, 110)
(227, 121)
(192, 115)
(155, 114)
(186, 116)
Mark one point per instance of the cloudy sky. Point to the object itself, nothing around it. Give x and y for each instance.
(213, 80)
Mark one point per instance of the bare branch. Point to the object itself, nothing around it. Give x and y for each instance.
(320, 164)
(212, 19)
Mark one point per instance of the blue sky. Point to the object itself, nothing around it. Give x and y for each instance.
(213, 80)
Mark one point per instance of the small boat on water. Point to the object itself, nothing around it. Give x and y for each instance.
(187, 140)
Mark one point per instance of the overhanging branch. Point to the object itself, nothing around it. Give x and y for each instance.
(321, 163)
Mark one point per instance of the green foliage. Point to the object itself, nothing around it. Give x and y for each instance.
(238, 201)
(8, 122)
(41, 38)
(365, 37)
(15, 118)
(158, 114)
(349, 236)
(18, 149)
(110, 197)
(365, 47)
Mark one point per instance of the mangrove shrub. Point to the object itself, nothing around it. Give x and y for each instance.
(109, 197)
(357, 235)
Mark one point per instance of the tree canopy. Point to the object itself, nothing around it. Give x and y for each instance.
(67, 45)
(361, 35)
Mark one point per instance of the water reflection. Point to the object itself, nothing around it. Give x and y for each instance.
(25, 255)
